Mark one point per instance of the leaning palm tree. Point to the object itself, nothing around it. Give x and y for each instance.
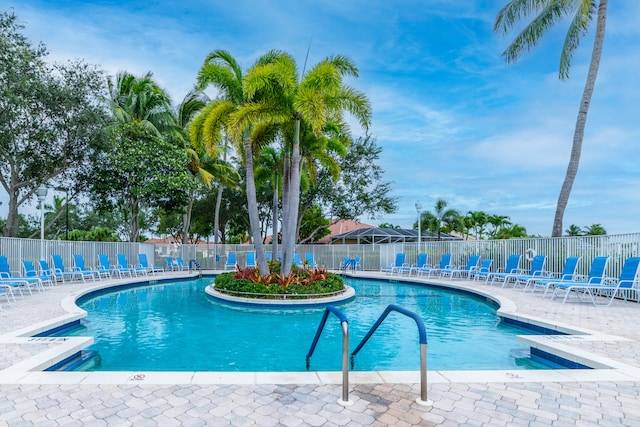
(546, 14)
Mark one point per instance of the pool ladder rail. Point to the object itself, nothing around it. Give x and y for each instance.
(345, 349)
(422, 400)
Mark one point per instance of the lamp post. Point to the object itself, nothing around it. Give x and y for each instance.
(419, 210)
(41, 192)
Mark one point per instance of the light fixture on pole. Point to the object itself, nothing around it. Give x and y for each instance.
(419, 210)
(41, 192)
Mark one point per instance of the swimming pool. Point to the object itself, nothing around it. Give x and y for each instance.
(174, 326)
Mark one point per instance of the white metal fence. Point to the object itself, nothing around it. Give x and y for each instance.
(210, 256)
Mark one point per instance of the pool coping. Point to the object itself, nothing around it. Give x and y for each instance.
(26, 371)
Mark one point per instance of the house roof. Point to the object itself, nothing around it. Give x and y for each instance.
(386, 235)
(342, 226)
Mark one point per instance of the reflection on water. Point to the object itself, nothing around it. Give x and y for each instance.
(175, 326)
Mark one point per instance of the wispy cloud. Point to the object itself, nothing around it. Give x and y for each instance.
(455, 122)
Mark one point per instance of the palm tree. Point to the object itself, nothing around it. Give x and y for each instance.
(245, 109)
(314, 98)
(514, 232)
(595, 230)
(140, 103)
(322, 150)
(573, 230)
(498, 222)
(440, 218)
(205, 132)
(479, 220)
(547, 14)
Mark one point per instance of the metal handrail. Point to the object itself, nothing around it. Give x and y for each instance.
(422, 400)
(345, 349)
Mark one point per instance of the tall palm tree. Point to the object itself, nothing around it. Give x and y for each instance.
(206, 130)
(546, 14)
(315, 97)
(479, 220)
(248, 109)
(497, 222)
(441, 217)
(139, 102)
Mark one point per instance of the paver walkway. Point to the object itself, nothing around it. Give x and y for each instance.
(603, 397)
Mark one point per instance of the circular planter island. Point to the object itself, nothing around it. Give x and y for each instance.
(302, 288)
(283, 300)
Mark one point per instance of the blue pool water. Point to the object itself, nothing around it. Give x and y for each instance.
(176, 327)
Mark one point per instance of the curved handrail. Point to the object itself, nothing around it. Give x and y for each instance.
(345, 348)
(328, 309)
(392, 307)
(423, 346)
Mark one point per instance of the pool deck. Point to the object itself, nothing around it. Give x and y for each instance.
(607, 337)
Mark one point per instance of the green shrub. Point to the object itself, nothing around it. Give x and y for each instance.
(301, 283)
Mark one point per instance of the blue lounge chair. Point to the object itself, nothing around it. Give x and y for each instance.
(609, 288)
(535, 272)
(269, 256)
(144, 263)
(251, 260)
(53, 275)
(81, 270)
(396, 266)
(465, 271)
(483, 271)
(60, 271)
(30, 272)
(171, 264)
(180, 264)
(445, 263)
(512, 266)
(122, 264)
(17, 282)
(309, 260)
(595, 276)
(104, 263)
(421, 262)
(567, 274)
(231, 261)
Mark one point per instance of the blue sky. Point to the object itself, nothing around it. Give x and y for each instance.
(454, 121)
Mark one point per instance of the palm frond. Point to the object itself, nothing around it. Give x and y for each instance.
(577, 29)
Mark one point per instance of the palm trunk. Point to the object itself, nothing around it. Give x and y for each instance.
(274, 239)
(289, 239)
(286, 186)
(216, 217)
(186, 223)
(578, 136)
(252, 206)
